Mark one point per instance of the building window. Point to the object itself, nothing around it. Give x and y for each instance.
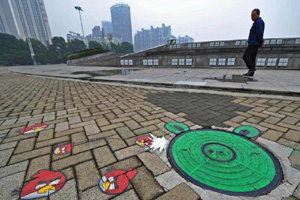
(189, 61)
(145, 62)
(126, 62)
(171, 46)
(189, 45)
(178, 45)
(150, 62)
(279, 41)
(199, 44)
(297, 41)
(221, 43)
(273, 41)
(261, 62)
(181, 61)
(131, 62)
(212, 61)
(222, 61)
(217, 44)
(122, 62)
(237, 43)
(267, 41)
(194, 45)
(243, 42)
(212, 44)
(272, 62)
(155, 62)
(283, 62)
(230, 61)
(174, 61)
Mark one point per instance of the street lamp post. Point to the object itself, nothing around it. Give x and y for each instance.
(30, 47)
(80, 9)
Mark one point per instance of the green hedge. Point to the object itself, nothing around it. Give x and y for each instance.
(88, 52)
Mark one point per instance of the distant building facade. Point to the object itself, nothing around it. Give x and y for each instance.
(185, 39)
(146, 39)
(96, 31)
(121, 22)
(107, 28)
(74, 36)
(25, 18)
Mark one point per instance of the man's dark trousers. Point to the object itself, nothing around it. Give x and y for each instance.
(250, 56)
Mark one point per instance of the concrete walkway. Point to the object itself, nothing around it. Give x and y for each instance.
(265, 81)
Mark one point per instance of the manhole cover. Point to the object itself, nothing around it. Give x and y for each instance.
(225, 162)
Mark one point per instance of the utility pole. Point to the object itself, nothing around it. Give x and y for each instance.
(79, 10)
(30, 47)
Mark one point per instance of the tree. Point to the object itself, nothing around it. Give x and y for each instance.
(76, 45)
(94, 44)
(126, 47)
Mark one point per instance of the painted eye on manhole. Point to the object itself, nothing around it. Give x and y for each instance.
(210, 151)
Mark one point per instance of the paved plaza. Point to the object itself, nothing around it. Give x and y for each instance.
(103, 122)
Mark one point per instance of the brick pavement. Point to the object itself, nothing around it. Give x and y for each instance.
(112, 117)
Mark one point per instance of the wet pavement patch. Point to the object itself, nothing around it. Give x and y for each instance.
(234, 78)
(107, 72)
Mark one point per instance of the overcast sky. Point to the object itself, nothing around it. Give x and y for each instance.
(203, 20)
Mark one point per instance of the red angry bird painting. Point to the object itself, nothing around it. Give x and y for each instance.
(44, 183)
(33, 129)
(144, 141)
(64, 149)
(116, 181)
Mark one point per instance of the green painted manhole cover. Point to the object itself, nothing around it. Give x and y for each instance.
(224, 162)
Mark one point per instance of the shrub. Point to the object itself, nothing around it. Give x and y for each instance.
(87, 52)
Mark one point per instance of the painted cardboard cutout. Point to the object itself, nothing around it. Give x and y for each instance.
(45, 183)
(64, 149)
(116, 181)
(33, 129)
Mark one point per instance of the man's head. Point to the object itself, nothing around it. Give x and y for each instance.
(255, 14)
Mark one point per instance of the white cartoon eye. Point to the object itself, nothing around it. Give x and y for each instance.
(63, 149)
(40, 186)
(55, 182)
(111, 179)
(104, 179)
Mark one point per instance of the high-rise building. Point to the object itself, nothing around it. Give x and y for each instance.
(107, 28)
(25, 18)
(96, 31)
(121, 22)
(185, 39)
(146, 39)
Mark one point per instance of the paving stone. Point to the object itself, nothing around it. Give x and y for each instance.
(12, 169)
(79, 137)
(19, 137)
(45, 135)
(69, 173)
(153, 163)
(87, 175)
(129, 195)
(295, 159)
(4, 156)
(36, 164)
(261, 128)
(138, 118)
(272, 120)
(292, 135)
(81, 124)
(170, 179)
(127, 152)
(274, 127)
(74, 120)
(69, 191)
(102, 122)
(104, 156)
(9, 184)
(9, 122)
(152, 122)
(71, 160)
(144, 130)
(132, 162)
(49, 118)
(25, 145)
(182, 191)
(145, 185)
(297, 192)
(62, 126)
(8, 145)
(52, 141)
(88, 145)
(132, 124)
(125, 132)
(111, 126)
(91, 129)
(238, 119)
(297, 128)
(272, 135)
(289, 143)
(290, 120)
(289, 198)
(115, 142)
(94, 194)
(102, 135)
(69, 132)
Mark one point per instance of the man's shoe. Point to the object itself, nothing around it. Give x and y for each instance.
(250, 73)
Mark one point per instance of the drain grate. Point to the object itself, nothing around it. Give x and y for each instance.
(224, 162)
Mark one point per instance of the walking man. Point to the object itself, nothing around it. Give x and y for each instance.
(255, 41)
